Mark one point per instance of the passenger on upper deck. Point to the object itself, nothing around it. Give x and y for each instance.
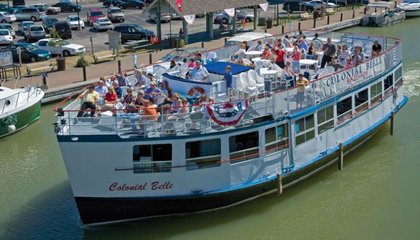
(345, 54)
(259, 46)
(335, 65)
(191, 63)
(121, 78)
(296, 56)
(153, 91)
(229, 79)
(141, 79)
(301, 83)
(357, 56)
(89, 101)
(266, 54)
(303, 44)
(166, 89)
(317, 42)
(240, 54)
(376, 48)
(149, 110)
(311, 51)
(110, 99)
(118, 89)
(280, 55)
(101, 88)
(199, 73)
(329, 51)
(172, 64)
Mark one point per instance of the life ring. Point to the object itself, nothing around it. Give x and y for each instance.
(197, 93)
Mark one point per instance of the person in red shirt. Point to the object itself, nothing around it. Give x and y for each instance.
(296, 56)
(110, 98)
(281, 55)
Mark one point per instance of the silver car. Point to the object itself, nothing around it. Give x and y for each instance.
(7, 18)
(164, 17)
(32, 14)
(115, 14)
(9, 27)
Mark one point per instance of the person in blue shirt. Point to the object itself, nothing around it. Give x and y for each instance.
(228, 78)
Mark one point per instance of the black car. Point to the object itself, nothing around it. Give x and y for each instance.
(63, 29)
(68, 7)
(131, 4)
(29, 52)
(133, 32)
(293, 6)
(48, 23)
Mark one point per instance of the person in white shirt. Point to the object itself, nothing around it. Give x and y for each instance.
(199, 73)
(240, 54)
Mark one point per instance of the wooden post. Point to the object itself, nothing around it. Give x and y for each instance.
(341, 17)
(354, 13)
(341, 158)
(150, 59)
(202, 44)
(314, 23)
(119, 65)
(298, 26)
(84, 73)
(279, 184)
(282, 29)
(391, 130)
(225, 40)
(328, 20)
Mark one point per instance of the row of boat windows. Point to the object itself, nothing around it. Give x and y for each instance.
(207, 153)
(345, 109)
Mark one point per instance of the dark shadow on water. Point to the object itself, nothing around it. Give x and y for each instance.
(51, 215)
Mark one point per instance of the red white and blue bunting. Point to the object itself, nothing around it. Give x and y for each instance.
(228, 113)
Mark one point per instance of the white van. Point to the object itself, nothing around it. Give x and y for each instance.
(249, 36)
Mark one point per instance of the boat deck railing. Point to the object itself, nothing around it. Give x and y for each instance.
(13, 101)
(262, 106)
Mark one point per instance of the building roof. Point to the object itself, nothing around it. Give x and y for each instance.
(206, 6)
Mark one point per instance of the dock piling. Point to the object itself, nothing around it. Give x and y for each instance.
(341, 17)
(341, 158)
(391, 129)
(150, 59)
(279, 184)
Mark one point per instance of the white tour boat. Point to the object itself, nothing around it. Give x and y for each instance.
(18, 108)
(224, 150)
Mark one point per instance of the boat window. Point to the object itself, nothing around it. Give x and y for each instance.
(243, 147)
(152, 158)
(361, 101)
(276, 138)
(203, 154)
(388, 82)
(304, 129)
(375, 93)
(325, 119)
(344, 110)
(398, 74)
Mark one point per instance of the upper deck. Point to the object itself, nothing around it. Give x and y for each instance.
(261, 95)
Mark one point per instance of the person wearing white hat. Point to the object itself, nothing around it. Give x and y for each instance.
(199, 73)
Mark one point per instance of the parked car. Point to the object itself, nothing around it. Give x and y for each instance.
(115, 14)
(131, 4)
(29, 52)
(58, 46)
(9, 27)
(7, 18)
(32, 14)
(74, 21)
(93, 14)
(316, 5)
(34, 32)
(44, 8)
(63, 29)
(103, 24)
(164, 17)
(133, 32)
(68, 7)
(6, 37)
(4, 7)
(48, 23)
(23, 26)
(240, 15)
(293, 6)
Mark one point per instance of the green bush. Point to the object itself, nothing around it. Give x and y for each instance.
(82, 62)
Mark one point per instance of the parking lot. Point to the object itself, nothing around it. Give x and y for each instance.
(136, 16)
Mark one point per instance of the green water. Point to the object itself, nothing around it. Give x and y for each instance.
(376, 196)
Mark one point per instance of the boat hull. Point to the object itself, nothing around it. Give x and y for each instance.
(414, 13)
(19, 120)
(95, 210)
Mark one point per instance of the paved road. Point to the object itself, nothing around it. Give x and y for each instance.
(132, 16)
